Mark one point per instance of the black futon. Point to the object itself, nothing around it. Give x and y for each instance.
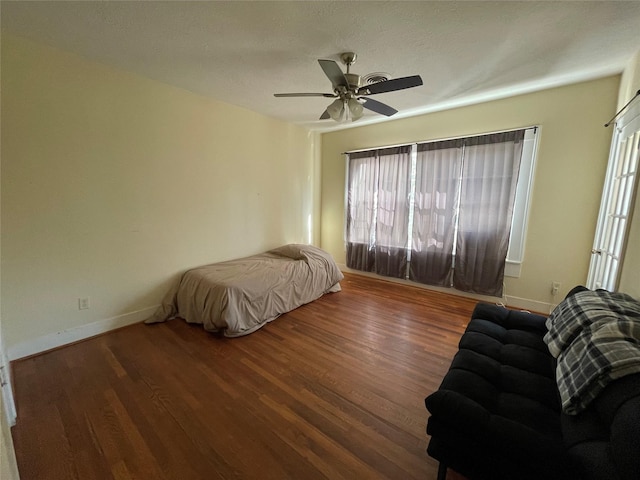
(498, 415)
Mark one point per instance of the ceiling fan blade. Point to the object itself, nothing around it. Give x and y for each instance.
(378, 107)
(391, 85)
(325, 115)
(327, 95)
(333, 72)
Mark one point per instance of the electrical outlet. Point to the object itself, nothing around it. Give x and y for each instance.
(83, 303)
(555, 288)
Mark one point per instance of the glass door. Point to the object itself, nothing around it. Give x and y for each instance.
(617, 201)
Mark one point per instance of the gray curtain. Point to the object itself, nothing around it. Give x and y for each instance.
(378, 211)
(361, 210)
(438, 169)
(489, 179)
(462, 212)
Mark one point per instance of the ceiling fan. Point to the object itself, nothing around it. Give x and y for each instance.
(351, 93)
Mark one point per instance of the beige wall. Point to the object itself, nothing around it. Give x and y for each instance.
(570, 169)
(8, 465)
(630, 275)
(629, 81)
(112, 184)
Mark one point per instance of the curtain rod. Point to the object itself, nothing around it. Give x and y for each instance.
(622, 109)
(535, 127)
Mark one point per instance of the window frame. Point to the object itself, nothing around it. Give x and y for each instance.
(521, 207)
(524, 192)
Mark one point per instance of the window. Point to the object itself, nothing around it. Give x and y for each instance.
(378, 210)
(442, 213)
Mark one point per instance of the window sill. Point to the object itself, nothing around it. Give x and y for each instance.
(512, 269)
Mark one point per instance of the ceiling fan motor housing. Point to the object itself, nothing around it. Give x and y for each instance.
(354, 80)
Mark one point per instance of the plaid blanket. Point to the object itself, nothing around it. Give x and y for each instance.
(595, 335)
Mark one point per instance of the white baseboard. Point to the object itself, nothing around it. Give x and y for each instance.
(71, 335)
(510, 301)
(543, 308)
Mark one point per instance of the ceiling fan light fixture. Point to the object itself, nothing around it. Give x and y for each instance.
(356, 109)
(336, 110)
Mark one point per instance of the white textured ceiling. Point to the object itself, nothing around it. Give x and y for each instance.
(243, 52)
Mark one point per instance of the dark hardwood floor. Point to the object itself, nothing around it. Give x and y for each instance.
(333, 390)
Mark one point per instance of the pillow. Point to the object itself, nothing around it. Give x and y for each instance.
(576, 289)
(293, 250)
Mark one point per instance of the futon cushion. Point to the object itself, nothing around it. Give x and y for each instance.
(500, 396)
(604, 440)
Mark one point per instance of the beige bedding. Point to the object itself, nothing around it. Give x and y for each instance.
(238, 297)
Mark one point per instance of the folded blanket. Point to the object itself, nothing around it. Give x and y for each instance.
(595, 335)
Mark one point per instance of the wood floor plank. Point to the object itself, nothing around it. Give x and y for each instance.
(332, 390)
